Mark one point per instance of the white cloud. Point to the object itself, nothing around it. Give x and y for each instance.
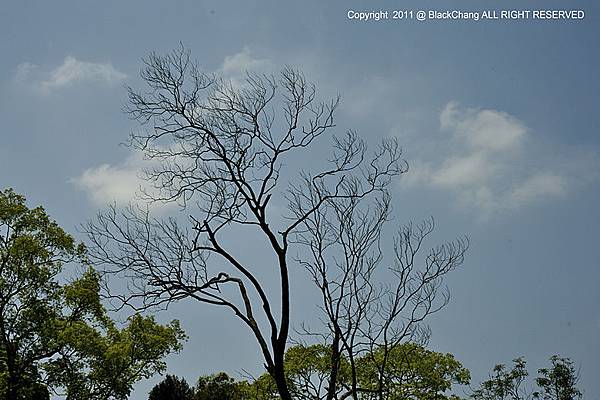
(491, 163)
(235, 67)
(70, 72)
(120, 184)
(73, 70)
(25, 71)
(242, 61)
(471, 169)
(482, 129)
(538, 186)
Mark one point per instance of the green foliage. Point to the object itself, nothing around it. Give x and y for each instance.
(105, 363)
(217, 387)
(309, 367)
(504, 383)
(57, 336)
(555, 383)
(409, 372)
(262, 388)
(559, 381)
(172, 388)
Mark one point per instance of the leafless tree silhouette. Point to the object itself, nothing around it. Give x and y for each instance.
(218, 151)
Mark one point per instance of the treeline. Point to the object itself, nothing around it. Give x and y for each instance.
(414, 373)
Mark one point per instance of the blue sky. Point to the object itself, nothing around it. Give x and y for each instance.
(498, 120)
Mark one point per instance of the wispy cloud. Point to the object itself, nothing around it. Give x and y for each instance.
(121, 184)
(492, 162)
(481, 129)
(72, 71)
(113, 183)
(236, 66)
(242, 61)
(538, 186)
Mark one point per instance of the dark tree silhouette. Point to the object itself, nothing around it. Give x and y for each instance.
(219, 151)
(172, 388)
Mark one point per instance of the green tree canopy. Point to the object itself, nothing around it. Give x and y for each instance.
(219, 386)
(504, 383)
(411, 372)
(57, 336)
(558, 382)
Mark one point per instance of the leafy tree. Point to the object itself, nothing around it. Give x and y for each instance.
(559, 382)
(412, 372)
(309, 370)
(57, 336)
(261, 388)
(172, 388)
(219, 386)
(220, 151)
(104, 362)
(504, 383)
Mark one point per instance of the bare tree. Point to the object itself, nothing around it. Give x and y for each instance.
(219, 151)
(365, 320)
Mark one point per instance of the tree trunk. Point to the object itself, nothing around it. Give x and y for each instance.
(280, 381)
(335, 364)
(12, 392)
